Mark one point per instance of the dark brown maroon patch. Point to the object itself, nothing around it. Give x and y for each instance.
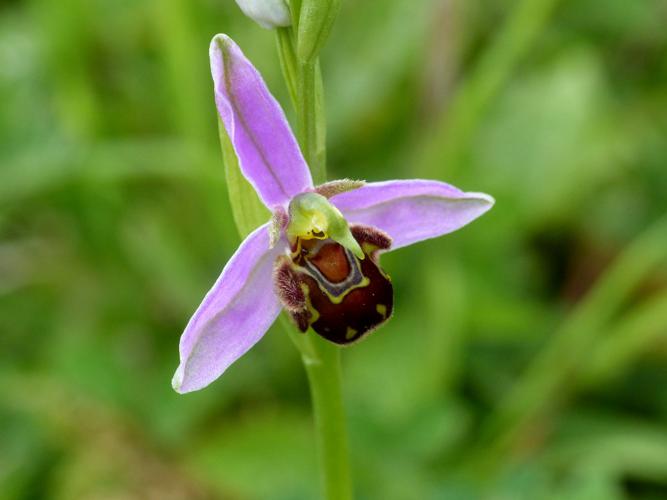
(332, 262)
(324, 286)
(361, 311)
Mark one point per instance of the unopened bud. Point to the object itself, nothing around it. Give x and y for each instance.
(268, 14)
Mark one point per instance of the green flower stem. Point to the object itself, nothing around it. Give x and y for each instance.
(304, 84)
(306, 113)
(321, 359)
(324, 376)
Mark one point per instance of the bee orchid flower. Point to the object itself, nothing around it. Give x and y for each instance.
(318, 257)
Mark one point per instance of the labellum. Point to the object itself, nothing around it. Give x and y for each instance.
(325, 286)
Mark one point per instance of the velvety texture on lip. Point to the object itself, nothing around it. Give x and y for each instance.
(412, 210)
(268, 153)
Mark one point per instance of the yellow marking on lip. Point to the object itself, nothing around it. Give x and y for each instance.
(337, 300)
(314, 313)
(350, 333)
(382, 310)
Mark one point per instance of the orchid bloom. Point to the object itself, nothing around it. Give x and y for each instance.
(318, 256)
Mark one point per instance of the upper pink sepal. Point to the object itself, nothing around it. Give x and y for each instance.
(268, 153)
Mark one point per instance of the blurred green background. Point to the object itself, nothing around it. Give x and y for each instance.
(527, 357)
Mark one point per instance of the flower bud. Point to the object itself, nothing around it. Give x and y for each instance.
(268, 14)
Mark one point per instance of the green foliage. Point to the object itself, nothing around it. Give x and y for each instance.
(526, 357)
